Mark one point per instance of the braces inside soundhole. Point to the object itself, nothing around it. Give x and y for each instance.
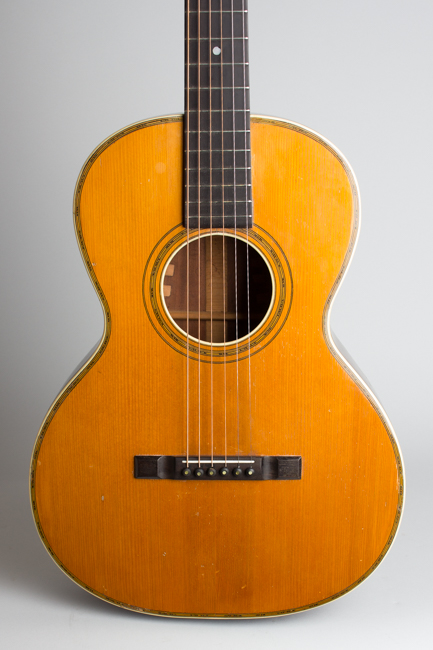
(224, 263)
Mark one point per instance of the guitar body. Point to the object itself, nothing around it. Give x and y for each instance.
(216, 548)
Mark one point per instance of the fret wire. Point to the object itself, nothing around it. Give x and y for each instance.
(218, 150)
(241, 216)
(219, 38)
(220, 199)
(202, 65)
(219, 110)
(219, 11)
(218, 87)
(227, 109)
(224, 131)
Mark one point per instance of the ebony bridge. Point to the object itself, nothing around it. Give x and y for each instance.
(232, 468)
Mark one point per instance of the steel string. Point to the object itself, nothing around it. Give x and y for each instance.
(187, 233)
(199, 235)
(247, 237)
(235, 229)
(211, 243)
(224, 241)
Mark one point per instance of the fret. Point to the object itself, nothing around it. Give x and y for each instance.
(221, 221)
(218, 185)
(225, 131)
(207, 191)
(217, 168)
(217, 141)
(216, 155)
(218, 100)
(215, 75)
(204, 203)
(219, 38)
(224, 159)
(205, 194)
(219, 194)
(219, 11)
(220, 209)
(229, 214)
(218, 176)
(218, 63)
(209, 120)
(207, 204)
(216, 150)
(227, 24)
(207, 112)
(218, 87)
(214, 188)
(219, 110)
(219, 135)
(216, 5)
(219, 190)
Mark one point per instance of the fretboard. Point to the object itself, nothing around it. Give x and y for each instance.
(217, 115)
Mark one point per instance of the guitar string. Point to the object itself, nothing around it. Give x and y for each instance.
(210, 238)
(199, 234)
(247, 232)
(187, 232)
(235, 232)
(224, 240)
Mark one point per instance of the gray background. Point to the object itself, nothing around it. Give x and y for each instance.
(75, 71)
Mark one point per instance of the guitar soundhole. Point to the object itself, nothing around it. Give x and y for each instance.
(230, 288)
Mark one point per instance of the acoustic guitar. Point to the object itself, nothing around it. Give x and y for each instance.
(216, 455)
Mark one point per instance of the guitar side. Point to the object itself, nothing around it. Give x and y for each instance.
(225, 549)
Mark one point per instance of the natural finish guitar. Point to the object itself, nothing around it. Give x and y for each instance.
(216, 455)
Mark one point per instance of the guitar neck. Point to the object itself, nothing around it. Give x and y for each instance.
(217, 115)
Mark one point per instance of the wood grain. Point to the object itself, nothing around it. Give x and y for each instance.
(216, 549)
